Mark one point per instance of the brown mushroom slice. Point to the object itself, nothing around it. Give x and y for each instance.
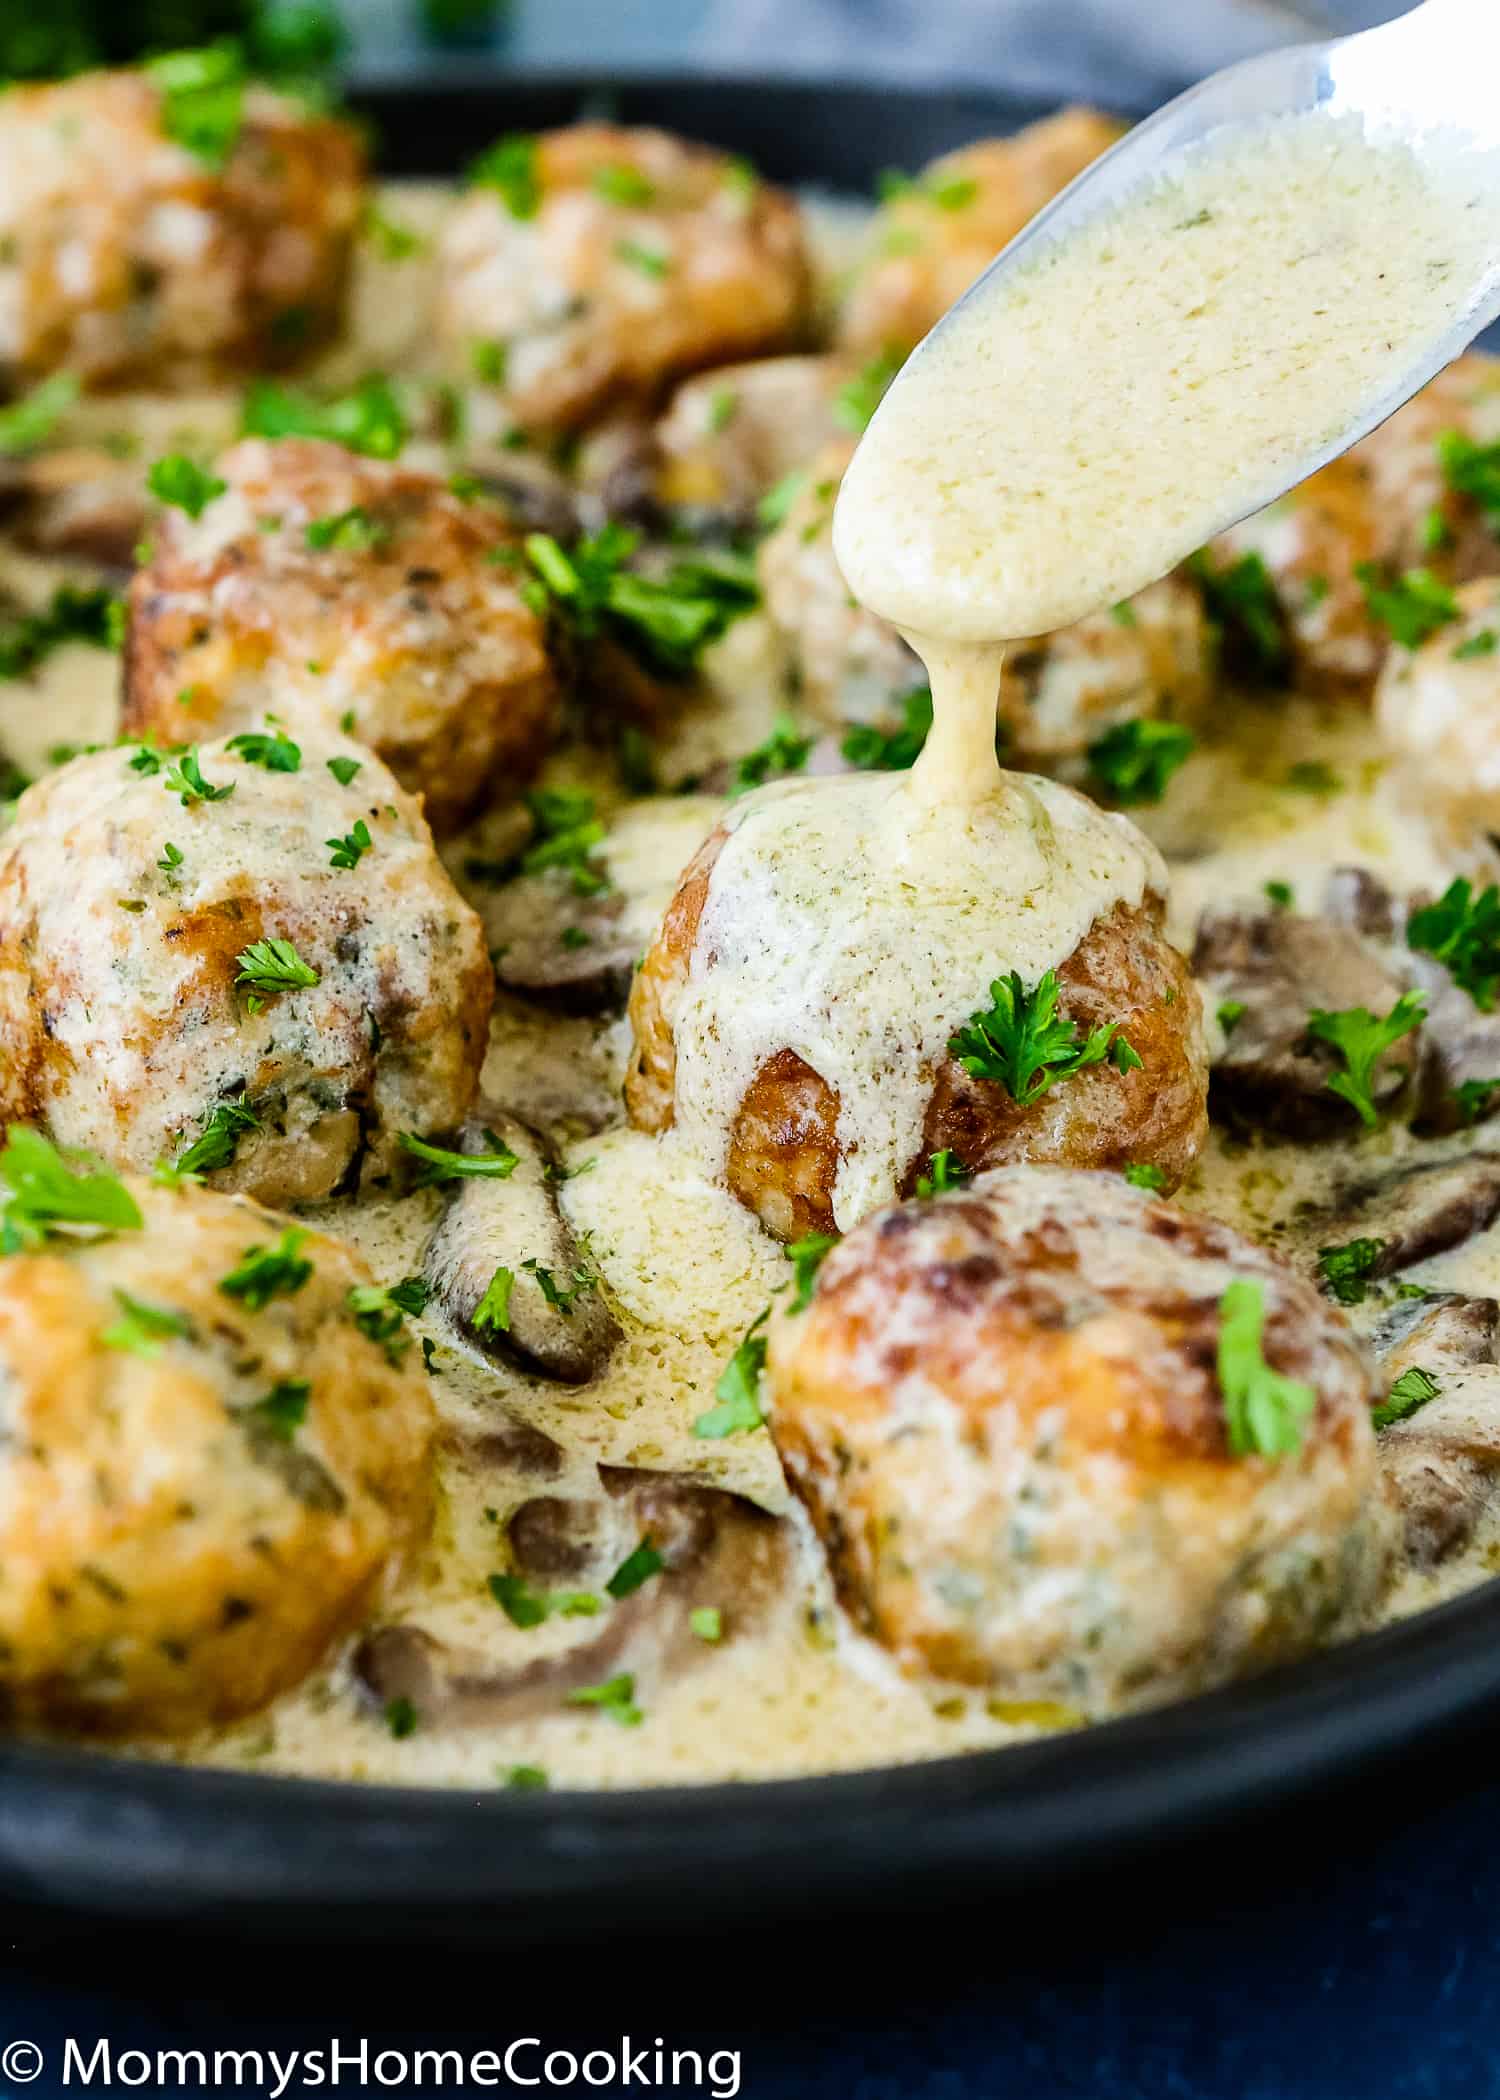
(1415, 1210)
(718, 1553)
(1442, 1461)
(1438, 1328)
(78, 501)
(1277, 968)
(555, 1320)
(560, 949)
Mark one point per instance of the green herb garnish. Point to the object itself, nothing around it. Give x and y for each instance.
(46, 1194)
(1360, 1038)
(348, 851)
(783, 752)
(807, 1256)
(273, 965)
(616, 1697)
(271, 748)
(1411, 607)
(439, 1164)
(1411, 1391)
(1346, 1270)
(1020, 1043)
(218, 1141)
(945, 1172)
(1264, 1412)
(368, 419)
(264, 1273)
(492, 1313)
(141, 1329)
(875, 751)
(1462, 932)
(738, 1387)
(1135, 760)
(637, 1568)
(182, 483)
(509, 167)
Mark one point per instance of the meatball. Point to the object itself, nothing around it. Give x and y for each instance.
(1429, 513)
(1003, 1412)
(136, 250)
(1150, 658)
(238, 954)
(325, 586)
(1439, 707)
(729, 436)
(208, 1463)
(595, 265)
(795, 1016)
(933, 238)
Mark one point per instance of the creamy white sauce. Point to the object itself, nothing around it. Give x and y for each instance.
(1083, 422)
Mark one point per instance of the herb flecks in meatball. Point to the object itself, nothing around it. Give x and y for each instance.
(1068, 1443)
(336, 590)
(191, 971)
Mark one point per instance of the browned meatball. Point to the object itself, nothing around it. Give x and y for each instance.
(346, 593)
(930, 241)
(784, 1151)
(128, 256)
(141, 1008)
(1425, 514)
(204, 1480)
(595, 265)
(729, 436)
(1008, 1414)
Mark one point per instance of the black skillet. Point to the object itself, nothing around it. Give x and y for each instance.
(99, 1834)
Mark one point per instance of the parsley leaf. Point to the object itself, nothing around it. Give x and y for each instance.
(945, 1172)
(637, 1567)
(1471, 470)
(73, 614)
(527, 1608)
(351, 531)
(1412, 1390)
(1462, 932)
(218, 1141)
(1242, 600)
(1412, 606)
(400, 1718)
(783, 752)
(1345, 1270)
(807, 1256)
(775, 505)
(29, 422)
(492, 1313)
(438, 1164)
(566, 836)
(141, 1329)
(202, 99)
(47, 1195)
(619, 183)
(510, 168)
(561, 1297)
(1022, 1044)
(369, 419)
(857, 400)
(875, 751)
(651, 262)
(1145, 1174)
(1472, 1097)
(738, 1387)
(527, 1779)
(344, 769)
(348, 851)
(1360, 1038)
(707, 1623)
(182, 483)
(265, 1273)
(616, 1697)
(184, 779)
(379, 1313)
(272, 966)
(1483, 643)
(271, 748)
(1135, 760)
(1264, 1412)
(666, 622)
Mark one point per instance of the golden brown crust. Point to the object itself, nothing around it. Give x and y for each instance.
(600, 302)
(135, 262)
(1003, 1411)
(423, 637)
(925, 251)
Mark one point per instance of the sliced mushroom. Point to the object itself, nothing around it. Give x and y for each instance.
(718, 1552)
(1279, 967)
(1415, 1210)
(555, 1320)
(78, 501)
(551, 945)
(1438, 1328)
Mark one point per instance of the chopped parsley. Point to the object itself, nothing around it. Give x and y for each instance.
(1471, 470)
(491, 361)
(616, 1697)
(857, 400)
(492, 1313)
(348, 851)
(1264, 1412)
(351, 531)
(391, 241)
(1310, 776)
(1145, 1174)
(1361, 1038)
(264, 1273)
(945, 1172)
(141, 1329)
(560, 1296)
(202, 99)
(636, 1568)
(738, 1387)
(876, 751)
(380, 1313)
(368, 419)
(807, 1256)
(947, 192)
(1412, 1390)
(526, 1779)
(1412, 606)
(567, 835)
(47, 1194)
(400, 1718)
(651, 262)
(666, 621)
(1230, 1013)
(73, 614)
(1472, 1098)
(1135, 760)
(509, 167)
(273, 965)
(182, 483)
(528, 1608)
(1346, 1270)
(184, 778)
(707, 1623)
(1281, 895)
(344, 769)
(619, 183)
(271, 748)
(783, 752)
(723, 407)
(775, 505)
(1462, 932)
(1242, 601)
(29, 422)
(170, 861)
(1022, 1044)
(439, 1164)
(1484, 643)
(218, 1141)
